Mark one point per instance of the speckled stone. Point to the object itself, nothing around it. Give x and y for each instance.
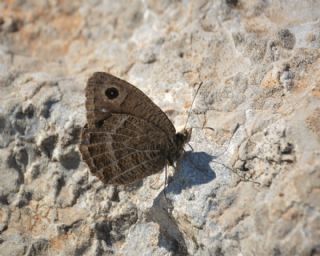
(250, 184)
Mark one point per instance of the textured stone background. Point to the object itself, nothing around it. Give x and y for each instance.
(252, 184)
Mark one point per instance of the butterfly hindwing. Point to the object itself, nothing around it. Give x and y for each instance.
(124, 149)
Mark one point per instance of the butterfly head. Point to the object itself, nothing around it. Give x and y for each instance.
(180, 139)
(183, 137)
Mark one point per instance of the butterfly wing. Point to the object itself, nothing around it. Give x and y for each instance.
(127, 136)
(124, 149)
(130, 100)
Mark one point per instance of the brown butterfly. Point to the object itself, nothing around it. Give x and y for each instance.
(127, 137)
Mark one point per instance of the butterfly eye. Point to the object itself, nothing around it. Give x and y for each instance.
(112, 93)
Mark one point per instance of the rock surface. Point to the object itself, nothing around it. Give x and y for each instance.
(251, 185)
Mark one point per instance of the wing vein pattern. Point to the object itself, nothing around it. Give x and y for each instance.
(124, 149)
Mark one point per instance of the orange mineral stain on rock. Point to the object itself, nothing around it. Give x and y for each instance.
(69, 215)
(58, 243)
(313, 122)
(71, 239)
(32, 219)
(257, 25)
(270, 80)
(66, 24)
(51, 41)
(300, 86)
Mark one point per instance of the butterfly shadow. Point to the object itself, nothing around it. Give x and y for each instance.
(193, 169)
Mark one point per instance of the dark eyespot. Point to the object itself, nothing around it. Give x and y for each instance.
(99, 123)
(232, 2)
(112, 93)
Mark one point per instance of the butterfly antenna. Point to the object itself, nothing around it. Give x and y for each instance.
(190, 109)
(242, 178)
(165, 182)
(235, 172)
(190, 148)
(233, 133)
(220, 154)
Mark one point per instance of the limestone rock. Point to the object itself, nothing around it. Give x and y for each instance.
(249, 181)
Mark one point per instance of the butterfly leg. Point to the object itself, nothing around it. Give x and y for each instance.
(165, 181)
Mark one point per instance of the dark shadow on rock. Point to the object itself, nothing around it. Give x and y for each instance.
(170, 236)
(193, 169)
(71, 160)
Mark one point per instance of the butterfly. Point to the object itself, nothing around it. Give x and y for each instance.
(127, 137)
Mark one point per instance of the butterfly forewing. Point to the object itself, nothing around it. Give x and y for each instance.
(130, 100)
